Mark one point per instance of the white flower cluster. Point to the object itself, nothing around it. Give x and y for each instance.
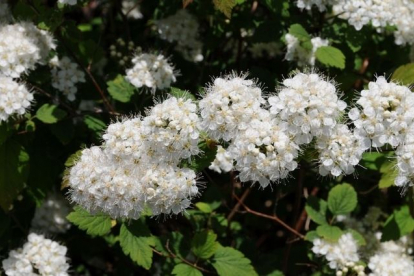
(390, 264)
(138, 164)
(50, 217)
(307, 4)
(182, 28)
(131, 8)
(22, 45)
(303, 56)
(38, 256)
(65, 75)
(68, 2)
(15, 99)
(340, 254)
(405, 160)
(260, 146)
(121, 51)
(152, 71)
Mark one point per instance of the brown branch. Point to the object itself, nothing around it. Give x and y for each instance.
(167, 246)
(237, 206)
(303, 215)
(274, 218)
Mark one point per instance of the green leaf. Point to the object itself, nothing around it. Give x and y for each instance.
(404, 74)
(178, 93)
(330, 56)
(230, 262)
(299, 32)
(50, 114)
(225, 6)
(329, 232)
(95, 225)
(358, 237)
(186, 270)
(204, 207)
(96, 125)
(316, 209)
(73, 158)
(5, 132)
(311, 235)
(373, 160)
(389, 173)
(14, 165)
(64, 131)
(204, 244)
(136, 241)
(342, 199)
(120, 89)
(399, 224)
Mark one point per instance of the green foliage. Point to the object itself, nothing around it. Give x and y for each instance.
(329, 232)
(316, 209)
(404, 74)
(230, 262)
(136, 241)
(299, 32)
(120, 89)
(178, 93)
(204, 244)
(50, 114)
(185, 270)
(95, 225)
(342, 199)
(389, 174)
(400, 223)
(225, 6)
(331, 56)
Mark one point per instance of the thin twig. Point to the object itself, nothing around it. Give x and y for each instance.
(237, 206)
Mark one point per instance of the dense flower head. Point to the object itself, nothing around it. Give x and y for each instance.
(390, 263)
(385, 114)
(182, 28)
(15, 98)
(229, 105)
(339, 152)
(137, 166)
(151, 71)
(405, 160)
(65, 75)
(307, 4)
(338, 254)
(38, 256)
(68, 2)
(22, 46)
(303, 56)
(50, 217)
(309, 104)
(131, 8)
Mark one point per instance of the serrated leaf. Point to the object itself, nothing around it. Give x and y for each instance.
(399, 224)
(230, 262)
(120, 89)
(95, 125)
(178, 93)
(14, 165)
(404, 74)
(311, 235)
(299, 32)
(342, 199)
(330, 56)
(225, 6)
(73, 158)
(373, 160)
(204, 244)
(358, 237)
(95, 225)
(329, 232)
(316, 209)
(389, 173)
(136, 241)
(185, 270)
(204, 207)
(50, 114)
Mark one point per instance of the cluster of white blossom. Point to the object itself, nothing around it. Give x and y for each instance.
(152, 71)
(303, 56)
(121, 51)
(389, 264)
(15, 98)
(50, 217)
(182, 29)
(270, 49)
(65, 75)
(131, 8)
(68, 2)
(22, 46)
(340, 254)
(38, 256)
(307, 4)
(138, 164)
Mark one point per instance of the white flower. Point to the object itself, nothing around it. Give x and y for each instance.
(338, 254)
(307, 4)
(303, 56)
(339, 152)
(22, 46)
(15, 99)
(310, 106)
(51, 216)
(65, 75)
(39, 254)
(390, 264)
(182, 28)
(152, 71)
(131, 8)
(223, 161)
(386, 112)
(229, 105)
(68, 2)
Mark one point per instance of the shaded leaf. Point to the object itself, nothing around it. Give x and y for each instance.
(186, 270)
(404, 74)
(95, 225)
(342, 199)
(50, 114)
(204, 244)
(230, 262)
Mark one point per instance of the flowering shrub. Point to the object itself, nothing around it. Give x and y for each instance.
(223, 137)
